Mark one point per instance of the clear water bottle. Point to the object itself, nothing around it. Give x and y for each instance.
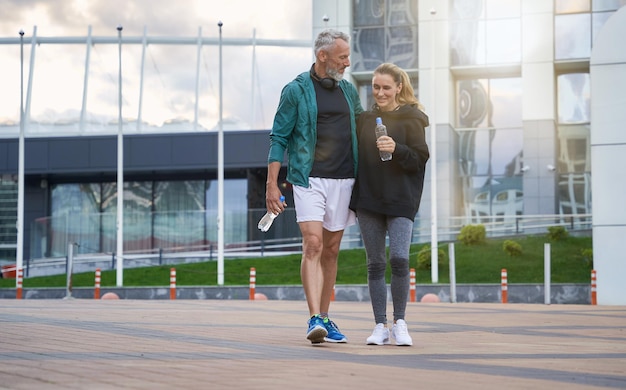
(266, 222)
(380, 131)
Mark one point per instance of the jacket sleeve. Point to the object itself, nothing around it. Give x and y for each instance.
(284, 123)
(413, 155)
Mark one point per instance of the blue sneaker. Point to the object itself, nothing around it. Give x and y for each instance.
(317, 331)
(334, 335)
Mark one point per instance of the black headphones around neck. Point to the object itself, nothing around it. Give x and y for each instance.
(326, 82)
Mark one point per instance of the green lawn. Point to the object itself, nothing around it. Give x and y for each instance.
(474, 264)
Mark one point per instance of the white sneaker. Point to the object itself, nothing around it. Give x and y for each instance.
(400, 333)
(380, 335)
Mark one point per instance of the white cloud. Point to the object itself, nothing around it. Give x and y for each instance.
(169, 84)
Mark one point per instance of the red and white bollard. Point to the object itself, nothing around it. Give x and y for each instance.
(412, 285)
(96, 290)
(252, 283)
(20, 279)
(173, 283)
(505, 286)
(594, 297)
(332, 295)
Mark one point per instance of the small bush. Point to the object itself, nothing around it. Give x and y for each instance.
(473, 235)
(557, 233)
(588, 256)
(423, 257)
(512, 248)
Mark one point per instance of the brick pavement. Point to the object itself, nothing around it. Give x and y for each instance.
(239, 344)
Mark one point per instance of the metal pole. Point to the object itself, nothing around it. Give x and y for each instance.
(546, 273)
(253, 81)
(120, 171)
(69, 271)
(434, 250)
(452, 256)
(19, 253)
(220, 179)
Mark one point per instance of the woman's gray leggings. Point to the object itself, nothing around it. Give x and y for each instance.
(374, 228)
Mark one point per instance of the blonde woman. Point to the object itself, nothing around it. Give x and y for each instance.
(387, 194)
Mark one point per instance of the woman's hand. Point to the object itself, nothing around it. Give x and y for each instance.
(386, 144)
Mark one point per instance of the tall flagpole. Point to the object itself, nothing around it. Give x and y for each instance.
(19, 253)
(120, 171)
(434, 242)
(220, 179)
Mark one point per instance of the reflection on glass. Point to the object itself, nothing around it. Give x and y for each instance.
(572, 36)
(490, 148)
(384, 34)
(607, 5)
(597, 21)
(401, 12)
(496, 199)
(574, 169)
(571, 6)
(401, 49)
(369, 50)
(478, 37)
(574, 94)
(489, 103)
(368, 12)
(164, 214)
(467, 45)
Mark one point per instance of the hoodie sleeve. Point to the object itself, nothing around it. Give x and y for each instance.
(413, 155)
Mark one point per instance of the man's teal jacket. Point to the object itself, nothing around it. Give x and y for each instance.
(295, 127)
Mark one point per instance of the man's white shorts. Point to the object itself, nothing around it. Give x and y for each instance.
(326, 201)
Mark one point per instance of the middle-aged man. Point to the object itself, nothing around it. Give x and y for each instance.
(316, 124)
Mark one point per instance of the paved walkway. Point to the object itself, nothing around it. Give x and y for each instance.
(240, 344)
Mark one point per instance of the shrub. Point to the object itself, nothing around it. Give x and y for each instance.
(512, 248)
(587, 256)
(423, 257)
(473, 235)
(557, 233)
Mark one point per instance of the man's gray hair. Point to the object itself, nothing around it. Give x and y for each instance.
(326, 39)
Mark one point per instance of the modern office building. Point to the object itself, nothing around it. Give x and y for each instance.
(506, 83)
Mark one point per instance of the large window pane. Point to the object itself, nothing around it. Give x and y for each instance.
(574, 169)
(368, 12)
(503, 41)
(75, 210)
(493, 199)
(402, 47)
(490, 148)
(572, 36)
(384, 31)
(490, 152)
(179, 204)
(571, 6)
(369, 48)
(236, 210)
(574, 98)
(489, 103)
(478, 37)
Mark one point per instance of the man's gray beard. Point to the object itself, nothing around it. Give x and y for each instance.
(334, 74)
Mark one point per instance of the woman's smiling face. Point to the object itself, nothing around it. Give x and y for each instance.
(385, 91)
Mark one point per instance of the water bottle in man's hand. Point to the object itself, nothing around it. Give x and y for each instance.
(266, 222)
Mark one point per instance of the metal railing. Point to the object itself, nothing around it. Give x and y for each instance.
(243, 239)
